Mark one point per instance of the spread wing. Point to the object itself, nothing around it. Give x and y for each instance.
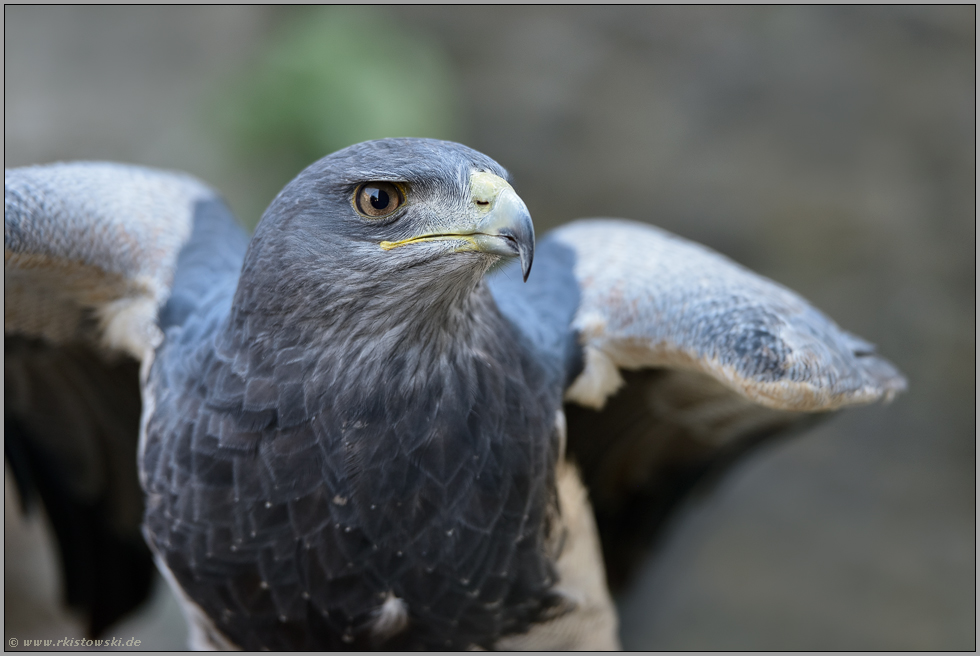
(675, 360)
(94, 261)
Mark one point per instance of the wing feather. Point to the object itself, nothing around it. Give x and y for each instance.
(651, 299)
(91, 257)
(90, 251)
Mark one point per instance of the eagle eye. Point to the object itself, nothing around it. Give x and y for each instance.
(378, 199)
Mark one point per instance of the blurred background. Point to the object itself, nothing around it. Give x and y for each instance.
(832, 149)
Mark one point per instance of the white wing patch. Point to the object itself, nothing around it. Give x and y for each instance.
(599, 380)
(130, 324)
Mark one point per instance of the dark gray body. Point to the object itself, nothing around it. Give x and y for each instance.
(294, 483)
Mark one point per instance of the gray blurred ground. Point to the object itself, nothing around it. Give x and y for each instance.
(832, 149)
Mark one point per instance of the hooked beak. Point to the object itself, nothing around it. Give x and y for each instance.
(507, 230)
(499, 224)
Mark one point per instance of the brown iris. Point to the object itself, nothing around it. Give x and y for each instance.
(377, 199)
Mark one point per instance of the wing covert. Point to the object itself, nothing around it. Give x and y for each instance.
(651, 299)
(90, 251)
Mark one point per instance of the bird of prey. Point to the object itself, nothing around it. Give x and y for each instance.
(373, 424)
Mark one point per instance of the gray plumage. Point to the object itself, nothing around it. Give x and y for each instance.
(354, 431)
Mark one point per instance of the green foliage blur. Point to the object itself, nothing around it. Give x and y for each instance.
(329, 77)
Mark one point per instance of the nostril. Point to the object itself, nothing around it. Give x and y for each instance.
(482, 202)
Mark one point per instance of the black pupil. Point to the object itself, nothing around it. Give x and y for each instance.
(379, 198)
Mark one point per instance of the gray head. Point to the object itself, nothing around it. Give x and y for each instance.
(383, 224)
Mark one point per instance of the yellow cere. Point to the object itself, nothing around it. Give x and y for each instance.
(485, 187)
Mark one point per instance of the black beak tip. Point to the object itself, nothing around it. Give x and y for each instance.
(521, 244)
(526, 260)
